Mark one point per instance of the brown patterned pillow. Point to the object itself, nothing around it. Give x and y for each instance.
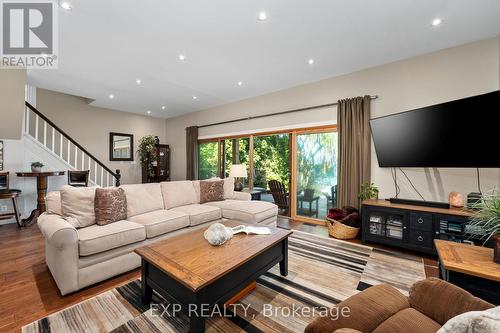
(211, 190)
(110, 205)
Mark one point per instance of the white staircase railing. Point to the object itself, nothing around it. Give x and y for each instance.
(61, 145)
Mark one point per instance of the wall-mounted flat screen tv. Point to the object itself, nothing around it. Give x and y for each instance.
(464, 133)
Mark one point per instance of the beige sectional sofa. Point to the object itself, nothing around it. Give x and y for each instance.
(81, 257)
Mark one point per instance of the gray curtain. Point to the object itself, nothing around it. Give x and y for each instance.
(354, 148)
(192, 153)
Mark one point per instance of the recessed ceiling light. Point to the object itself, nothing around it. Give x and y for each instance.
(437, 21)
(182, 57)
(148, 112)
(262, 16)
(111, 96)
(163, 107)
(66, 5)
(240, 83)
(138, 81)
(310, 61)
(195, 97)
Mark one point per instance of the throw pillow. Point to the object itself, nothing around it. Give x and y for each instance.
(77, 205)
(110, 205)
(53, 203)
(211, 190)
(487, 321)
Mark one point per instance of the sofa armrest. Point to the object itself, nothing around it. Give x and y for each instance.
(347, 330)
(61, 251)
(243, 196)
(56, 230)
(364, 311)
(432, 297)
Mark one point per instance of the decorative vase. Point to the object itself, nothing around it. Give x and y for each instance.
(496, 248)
(456, 199)
(36, 169)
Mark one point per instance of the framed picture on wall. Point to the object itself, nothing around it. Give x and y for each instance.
(1, 155)
(121, 147)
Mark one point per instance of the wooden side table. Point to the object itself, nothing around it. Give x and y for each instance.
(9, 194)
(41, 189)
(471, 268)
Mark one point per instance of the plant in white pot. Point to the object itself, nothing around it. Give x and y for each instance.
(36, 166)
(485, 223)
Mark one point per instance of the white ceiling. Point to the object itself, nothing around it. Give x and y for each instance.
(106, 45)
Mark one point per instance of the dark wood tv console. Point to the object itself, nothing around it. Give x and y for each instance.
(412, 227)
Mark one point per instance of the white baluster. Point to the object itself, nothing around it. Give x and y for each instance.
(95, 172)
(27, 121)
(102, 176)
(107, 178)
(76, 157)
(53, 139)
(83, 161)
(61, 145)
(36, 127)
(69, 152)
(89, 163)
(45, 133)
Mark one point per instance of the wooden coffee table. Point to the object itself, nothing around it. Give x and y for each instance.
(200, 276)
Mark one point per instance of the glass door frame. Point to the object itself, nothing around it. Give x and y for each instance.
(293, 171)
(292, 160)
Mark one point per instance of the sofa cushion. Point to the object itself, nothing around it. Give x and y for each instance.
(368, 309)
(211, 191)
(97, 238)
(178, 193)
(246, 211)
(110, 205)
(199, 214)
(77, 205)
(162, 221)
(142, 198)
(53, 203)
(408, 321)
(431, 297)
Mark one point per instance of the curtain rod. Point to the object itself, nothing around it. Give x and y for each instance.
(276, 113)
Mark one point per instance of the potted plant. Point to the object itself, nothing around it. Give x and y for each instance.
(147, 154)
(485, 223)
(368, 191)
(36, 166)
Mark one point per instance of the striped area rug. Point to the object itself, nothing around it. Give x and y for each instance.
(322, 272)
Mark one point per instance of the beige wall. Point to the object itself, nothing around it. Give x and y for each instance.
(12, 82)
(90, 127)
(404, 85)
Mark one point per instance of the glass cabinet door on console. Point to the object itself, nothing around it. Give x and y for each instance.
(386, 224)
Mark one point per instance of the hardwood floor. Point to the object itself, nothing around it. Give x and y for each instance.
(28, 292)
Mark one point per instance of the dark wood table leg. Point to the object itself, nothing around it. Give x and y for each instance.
(41, 189)
(146, 291)
(16, 211)
(284, 261)
(196, 323)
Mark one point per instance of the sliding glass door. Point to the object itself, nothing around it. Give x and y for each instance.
(315, 173)
(235, 151)
(295, 169)
(208, 160)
